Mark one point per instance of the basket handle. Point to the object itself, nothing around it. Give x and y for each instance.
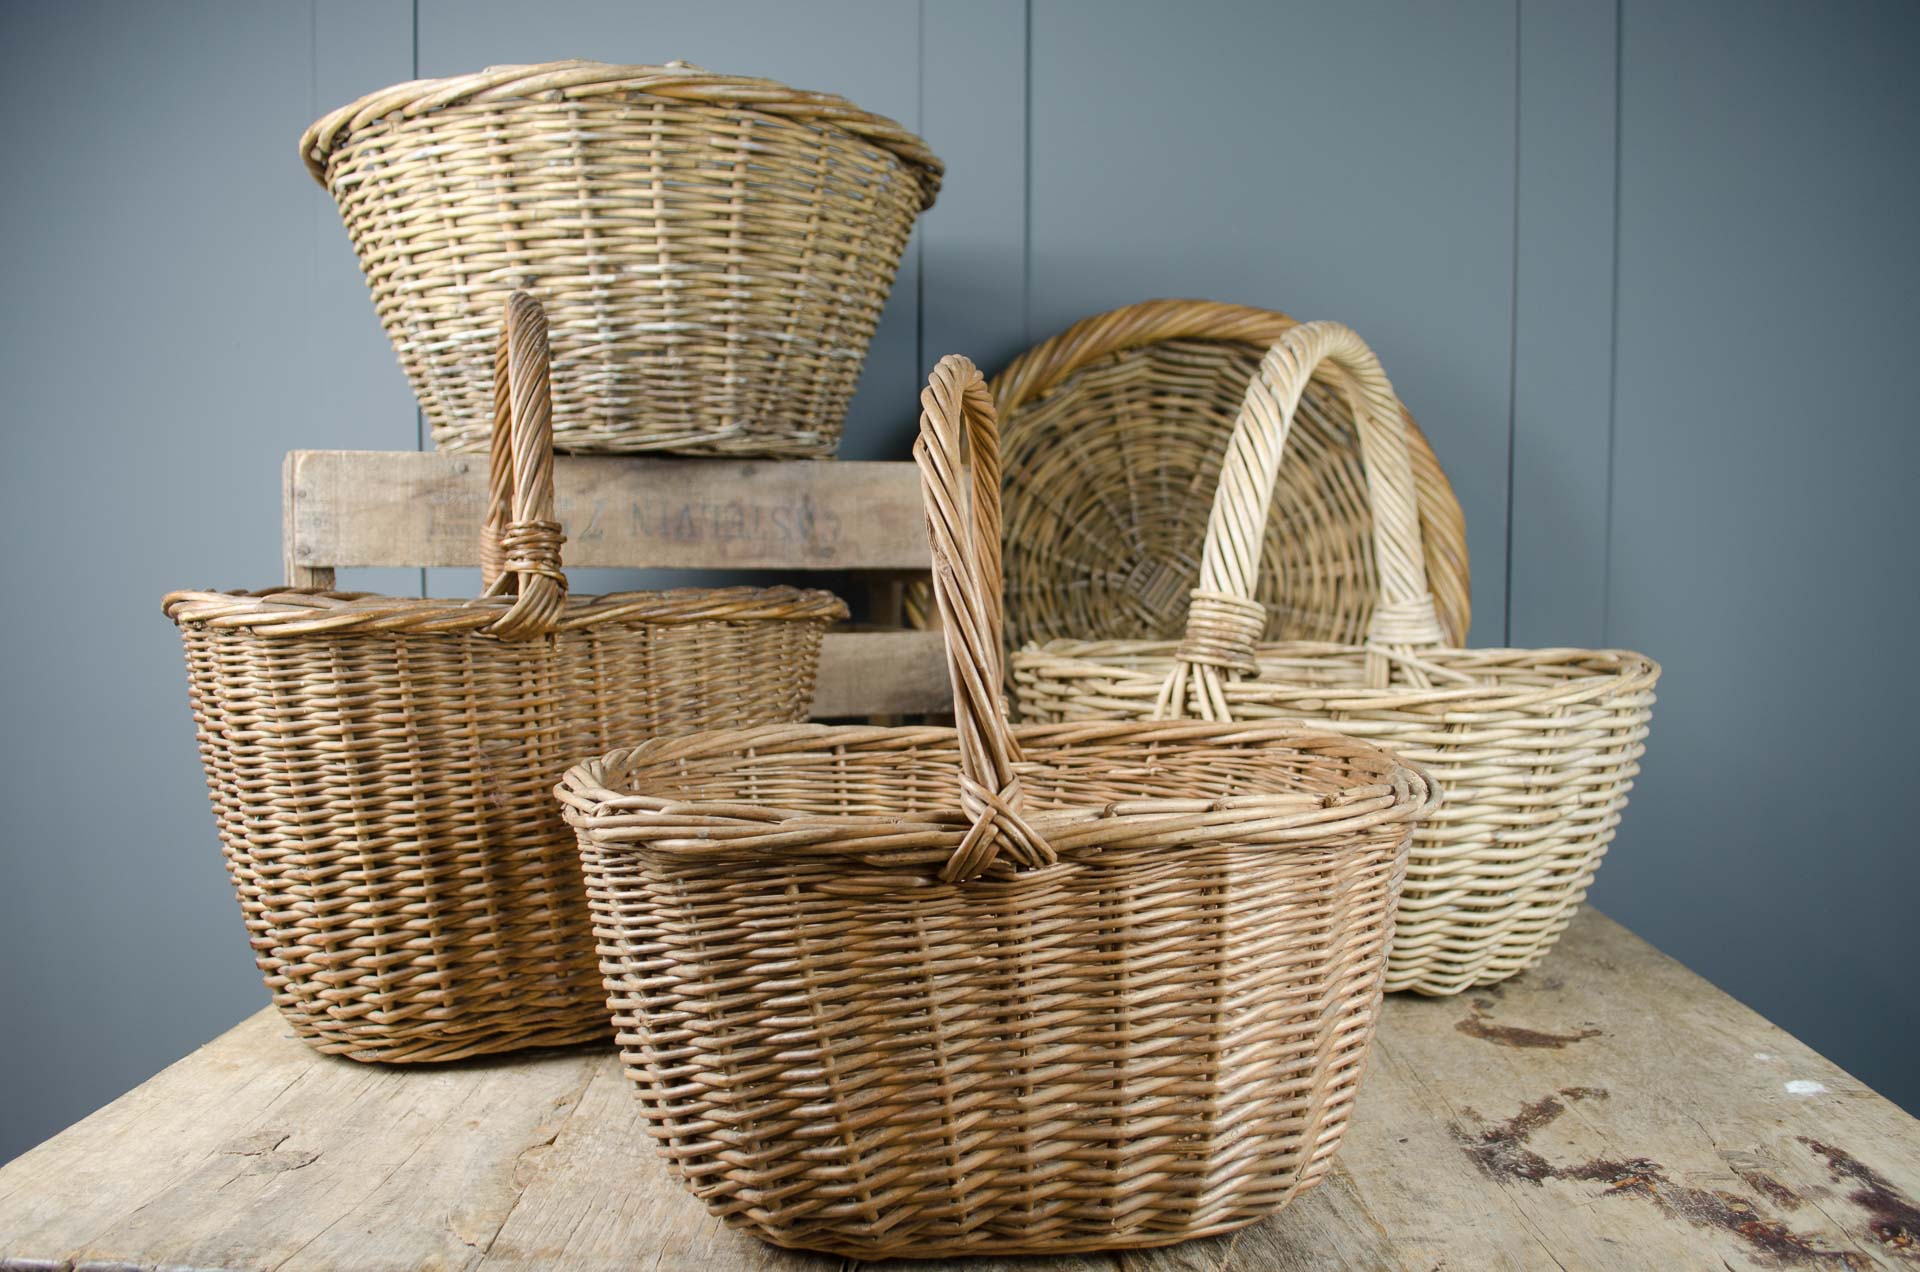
(520, 539)
(1225, 622)
(963, 526)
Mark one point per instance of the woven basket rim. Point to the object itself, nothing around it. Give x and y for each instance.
(711, 828)
(581, 79)
(293, 612)
(1635, 671)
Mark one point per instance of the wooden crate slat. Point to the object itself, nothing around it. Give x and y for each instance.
(882, 673)
(402, 508)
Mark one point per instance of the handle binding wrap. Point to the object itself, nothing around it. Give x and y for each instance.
(520, 539)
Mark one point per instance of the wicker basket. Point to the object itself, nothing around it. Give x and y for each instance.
(1534, 749)
(1114, 433)
(713, 251)
(382, 768)
(925, 991)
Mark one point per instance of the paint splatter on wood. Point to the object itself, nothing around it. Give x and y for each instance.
(1502, 1151)
(1476, 1025)
(1892, 1217)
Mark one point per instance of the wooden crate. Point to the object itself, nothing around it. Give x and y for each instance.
(858, 525)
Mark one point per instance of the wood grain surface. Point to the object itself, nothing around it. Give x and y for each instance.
(343, 509)
(1608, 1110)
(371, 508)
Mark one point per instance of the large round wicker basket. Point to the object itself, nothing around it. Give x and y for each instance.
(713, 251)
(382, 767)
(1535, 750)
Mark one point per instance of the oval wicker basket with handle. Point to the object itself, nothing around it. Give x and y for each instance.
(1534, 749)
(713, 251)
(1115, 430)
(916, 991)
(381, 768)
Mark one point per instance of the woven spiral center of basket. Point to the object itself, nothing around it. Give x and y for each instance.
(1154, 585)
(1222, 630)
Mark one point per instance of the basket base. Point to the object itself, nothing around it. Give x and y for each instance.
(1444, 974)
(1007, 1246)
(1010, 1247)
(369, 1045)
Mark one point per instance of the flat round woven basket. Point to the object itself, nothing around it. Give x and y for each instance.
(1114, 434)
(713, 251)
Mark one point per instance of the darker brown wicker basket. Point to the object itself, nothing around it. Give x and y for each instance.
(919, 991)
(381, 768)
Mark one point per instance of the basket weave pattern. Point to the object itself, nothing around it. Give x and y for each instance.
(1535, 751)
(924, 991)
(713, 252)
(381, 770)
(1115, 431)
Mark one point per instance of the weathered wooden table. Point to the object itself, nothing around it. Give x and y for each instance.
(1609, 1110)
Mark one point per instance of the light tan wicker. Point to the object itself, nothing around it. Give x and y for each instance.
(1114, 433)
(713, 251)
(382, 768)
(1534, 749)
(922, 991)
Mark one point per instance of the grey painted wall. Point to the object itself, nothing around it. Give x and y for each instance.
(1641, 271)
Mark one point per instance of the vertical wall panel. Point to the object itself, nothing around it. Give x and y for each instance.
(357, 397)
(158, 364)
(973, 243)
(1563, 323)
(1349, 161)
(1766, 441)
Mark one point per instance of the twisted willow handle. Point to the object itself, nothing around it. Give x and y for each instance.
(1225, 622)
(963, 525)
(520, 539)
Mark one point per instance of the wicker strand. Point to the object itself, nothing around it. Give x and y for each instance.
(493, 557)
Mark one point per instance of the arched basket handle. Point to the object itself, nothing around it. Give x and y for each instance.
(1225, 622)
(520, 539)
(957, 424)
